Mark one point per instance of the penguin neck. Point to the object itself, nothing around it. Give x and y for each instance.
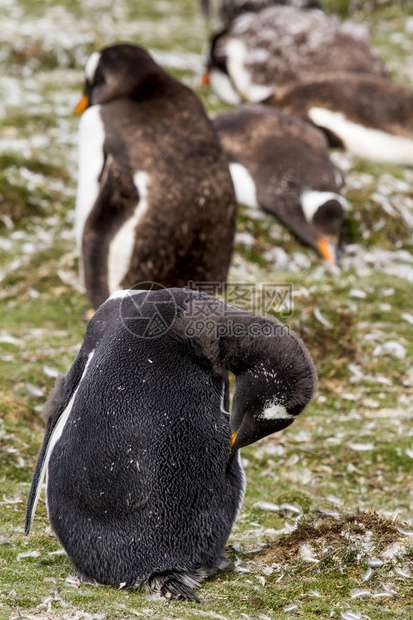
(156, 83)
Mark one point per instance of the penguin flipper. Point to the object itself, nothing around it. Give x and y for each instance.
(52, 410)
(56, 411)
(175, 585)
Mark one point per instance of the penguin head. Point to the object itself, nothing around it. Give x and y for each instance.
(324, 214)
(217, 74)
(117, 71)
(270, 394)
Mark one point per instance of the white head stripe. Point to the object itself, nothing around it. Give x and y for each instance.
(91, 65)
(312, 200)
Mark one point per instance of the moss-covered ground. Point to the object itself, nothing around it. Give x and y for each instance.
(325, 529)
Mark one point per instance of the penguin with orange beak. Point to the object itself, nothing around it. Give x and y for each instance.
(281, 165)
(155, 202)
(142, 483)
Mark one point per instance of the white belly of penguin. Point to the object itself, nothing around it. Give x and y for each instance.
(91, 159)
(123, 243)
(372, 144)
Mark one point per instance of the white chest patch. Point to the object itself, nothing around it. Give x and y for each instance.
(372, 144)
(54, 438)
(121, 247)
(245, 190)
(276, 412)
(311, 201)
(91, 158)
(236, 55)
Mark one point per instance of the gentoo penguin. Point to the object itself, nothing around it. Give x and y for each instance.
(228, 10)
(142, 484)
(281, 164)
(367, 115)
(155, 200)
(260, 52)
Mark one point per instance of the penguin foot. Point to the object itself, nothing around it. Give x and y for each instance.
(175, 586)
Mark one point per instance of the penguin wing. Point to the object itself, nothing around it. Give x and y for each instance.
(56, 410)
(53, 409)
(117, 191)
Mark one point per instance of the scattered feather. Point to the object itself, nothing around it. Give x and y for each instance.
(385, 595)
(350, 615)
(286, 507)
(28, 554)
(321, 319)
(403, 571)
(12, 500)
(392, 348)
(360, 593)
(307, 553)
(268, 506)
(407, 317)
(357, 293)
(6, 338)
(50, 372)
(330, 513)
(375, 562)
(368, 574)
(403, 531)
(33, 390)
(361, 447)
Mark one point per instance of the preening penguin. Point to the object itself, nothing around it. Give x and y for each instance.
(261, 52)
(142, 484)
(281, 164)
(155, 200)
(367, 115)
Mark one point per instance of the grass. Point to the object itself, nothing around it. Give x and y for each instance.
(345, 465)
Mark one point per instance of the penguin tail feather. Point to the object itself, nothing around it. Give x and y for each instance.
(177, 585)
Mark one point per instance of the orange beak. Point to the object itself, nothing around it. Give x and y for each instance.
(326, 250)
(82, 105)
(233, 438)
(205, 79)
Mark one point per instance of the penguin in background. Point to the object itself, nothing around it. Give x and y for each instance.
(155, 202)
(143, 475)
(258, 53)
(367, 115)
(281, 164)
(228, 10)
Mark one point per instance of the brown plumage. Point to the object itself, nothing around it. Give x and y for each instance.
(287, 161)
(228, 10)
(164, 209)
(341, 103)
(281, 44)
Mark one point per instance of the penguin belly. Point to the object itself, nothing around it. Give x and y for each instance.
(140, 483)
(122, 245)
(375, 145)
